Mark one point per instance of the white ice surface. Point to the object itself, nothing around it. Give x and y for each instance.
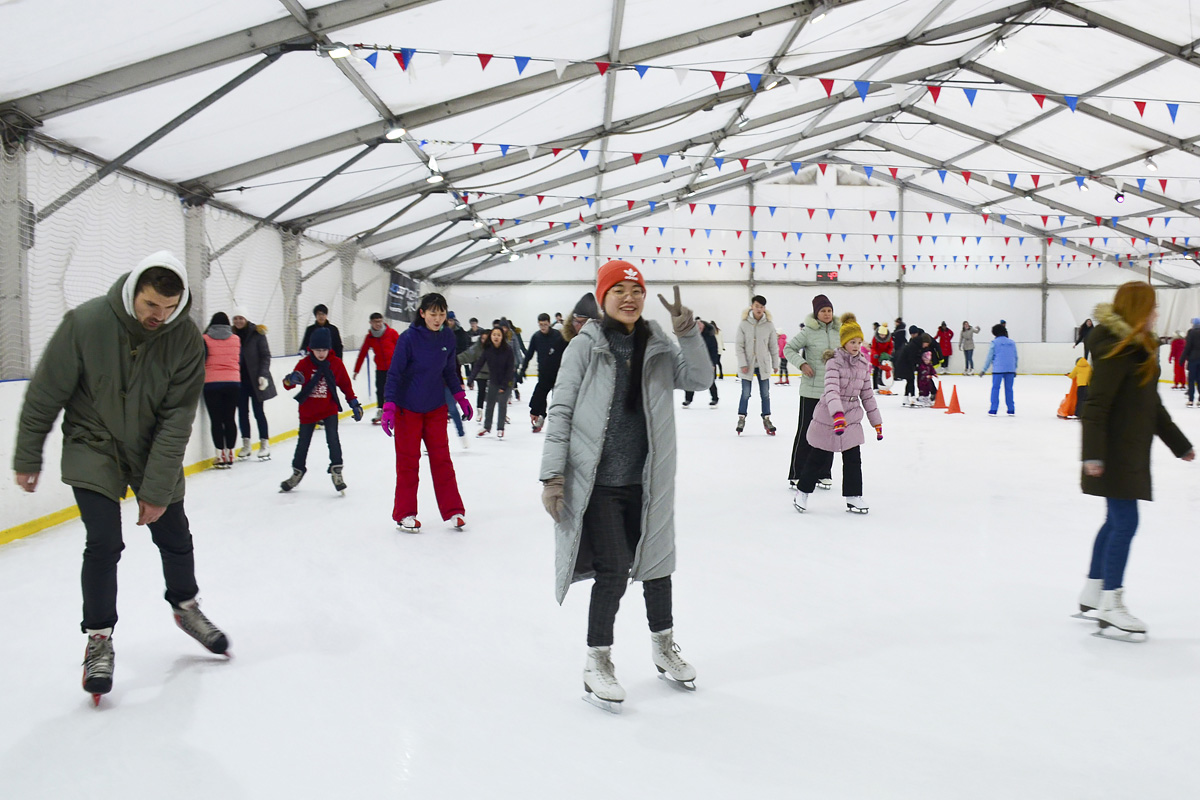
(924, 650)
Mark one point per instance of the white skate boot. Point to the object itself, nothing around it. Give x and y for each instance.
(1114, 614)
(410, 524)
(600, 681)
(800, 502)
(825, 483)
(856, 505)
(264, 449)
(459, 521)
(244, 453)
(1089, 599)
(98, 659)
(671, 666)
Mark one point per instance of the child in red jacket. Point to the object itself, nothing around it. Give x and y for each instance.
(320, 374)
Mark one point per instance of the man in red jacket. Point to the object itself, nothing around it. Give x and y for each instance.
(382, 339)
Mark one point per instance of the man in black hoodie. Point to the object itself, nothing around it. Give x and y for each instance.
(548, 344)
(710, 341)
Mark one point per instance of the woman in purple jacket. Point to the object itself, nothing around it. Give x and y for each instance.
(414, 409)
(835, 426)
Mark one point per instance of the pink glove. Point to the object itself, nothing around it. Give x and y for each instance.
(388, 420)
(465, 406)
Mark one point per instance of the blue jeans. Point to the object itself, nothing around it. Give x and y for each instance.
(1007, 379)
(764, 393)
(1111, 550)
(969, 357)
(455, 414)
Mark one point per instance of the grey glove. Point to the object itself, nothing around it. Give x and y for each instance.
(682, 318)
(552, 498)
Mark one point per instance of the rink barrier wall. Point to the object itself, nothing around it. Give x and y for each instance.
(23, 514)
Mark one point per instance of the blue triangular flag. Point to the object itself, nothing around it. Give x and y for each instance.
(891, 237)
(663, 158)
(372, 59)
(934, 239)
(589, 245)
(947, 216)
(567, 225)
(1141, 184)
(863, 87)
(1174, 109)
(407, 54)
(708, 235)
(1071, 102)
(942, 175)
(1012, 179)
(660, 231)
(753, 234)
(831, 212)
(590, 200)
(516, 222)
(893, 213)
(641, 70)
(1003, 218)
(522, 62)
(1021, 240)
(719, 162)
(843, 237)
(796, 165)
(1063, 240)
(755, 79)
(504, 149)
(1079, 179)
(869, 171)
(652, 203)
(772, 210)
(672, 251)
(614, 227)
(798, 235)
(584, 154)
(970, 93)
(1062, 220)
(712, 209)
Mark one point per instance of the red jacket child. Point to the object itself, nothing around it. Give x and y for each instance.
(878, 348)
(383, 345)
(321, 400)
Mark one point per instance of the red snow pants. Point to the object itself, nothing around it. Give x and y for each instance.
(411, 429)
(1180, 377)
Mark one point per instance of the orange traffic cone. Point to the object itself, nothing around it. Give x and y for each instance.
(940, 401)
(954, 407)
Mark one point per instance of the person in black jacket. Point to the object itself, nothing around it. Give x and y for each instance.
(899, 339)
(1081, 337)
(257, 386)
(321, 312)
(907, 357)
(462, 339)
(709, 336)
(548, 344)
(498, 356)
(1191, 357)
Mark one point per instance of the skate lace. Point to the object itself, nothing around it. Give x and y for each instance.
(672, 655)
(98, 661)
(193, 621)
(1118, 603)
(605, 671)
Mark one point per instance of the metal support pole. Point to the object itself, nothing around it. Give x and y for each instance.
(153, 138)
(750, 241)
(900, 253)
(289, 279)
(197, 261)
(598, 261)
(16, 240)
(1045, 284)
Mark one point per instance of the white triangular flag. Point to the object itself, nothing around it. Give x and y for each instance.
(560, 66)
(532, 150)
(795, 81)
(445, 56)
(681, 73)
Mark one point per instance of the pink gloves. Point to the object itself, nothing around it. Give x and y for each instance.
(388, 420)
(465, 406)
(839, 423)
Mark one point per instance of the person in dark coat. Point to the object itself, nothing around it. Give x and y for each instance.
(1081, 337)
(548, 344)
(1121, 417)
(907, 358)
(501, 365)
(709, 337)
(321, 312)
(257, 384)
(899, 338)
(1191, 357)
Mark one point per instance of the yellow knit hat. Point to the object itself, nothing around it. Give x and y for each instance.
(850, 329)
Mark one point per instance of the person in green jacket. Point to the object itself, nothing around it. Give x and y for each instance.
(127, 371)
(1121, 417)
(807, 348)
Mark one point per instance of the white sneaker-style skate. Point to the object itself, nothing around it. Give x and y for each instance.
(825, 483)
(671, 666)
(459, 522)
(464, 440)
(98, 658)
(800, 502)
(410, 525)
(244, 453)
(1089, 599)
(264, 449)
(600, 681)
(1114, 614)
(191, 620)
(856, 505)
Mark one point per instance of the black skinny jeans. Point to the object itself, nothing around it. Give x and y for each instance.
(247, 398)
(102, 519)
(612, 524)
(820, 462)
(221, 400)
(300, 459)
(380, 383)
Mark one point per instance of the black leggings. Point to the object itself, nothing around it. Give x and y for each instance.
(820, 462)
(300, 459)
(221, 400)
(102, 519)
(380, 383)
(612, 526)
(800, 447)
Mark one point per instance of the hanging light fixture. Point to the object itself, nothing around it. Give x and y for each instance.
(436, 177)
(335, 50)
(1119, 197)
(818, 13)
(774, 82)
(513, 257)
(1000, 46)
(1150, 165)
(394, 132)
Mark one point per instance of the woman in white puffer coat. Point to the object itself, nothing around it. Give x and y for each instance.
(758, 357)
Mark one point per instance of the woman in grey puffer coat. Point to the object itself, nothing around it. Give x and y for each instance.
(608, 466)
(966, 343)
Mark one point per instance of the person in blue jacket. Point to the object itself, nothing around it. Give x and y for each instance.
(1002, 358)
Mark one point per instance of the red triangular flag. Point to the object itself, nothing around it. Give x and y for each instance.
(929, 215)
(822, 167)
(602, 66)
(692, 206)
(399, 59)
(967, 177)
(828, 84)
(484, 58)
(1036, 178)
(555, 150)
(637, 158)
(985, 217)
(719, 77)
(630, 204)
(744, 162)
(811, 211)
(893, 170)
(753, 209)
(476, 145)
(1045, 219)
(1041, 100)
(935, 92)
(540, 198)
(1163, 183)
(1141, 107)
(872, 213)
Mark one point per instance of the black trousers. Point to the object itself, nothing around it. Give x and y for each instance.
(300, 459)
(820, 462)
(481, 397)
(800, 447)
(876, 377)
(612, 525)
(221, 400)
(248, 398)
(537, 403)
(909, 384)
(102, 519)
(712, 390)
(380, 383)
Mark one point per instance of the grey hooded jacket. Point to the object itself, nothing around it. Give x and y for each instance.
(577, 419)
(757, 346)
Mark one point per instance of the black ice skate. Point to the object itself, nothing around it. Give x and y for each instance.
(191, 620)
(339, 485)
(98, 658)
(292, 482)
(741, 426)
(768, 425)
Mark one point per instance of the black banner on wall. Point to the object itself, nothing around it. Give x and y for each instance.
(404, 295)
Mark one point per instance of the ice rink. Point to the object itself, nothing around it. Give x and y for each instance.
(925, 650)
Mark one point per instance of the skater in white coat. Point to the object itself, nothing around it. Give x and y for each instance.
(608, 467)
(758, 357)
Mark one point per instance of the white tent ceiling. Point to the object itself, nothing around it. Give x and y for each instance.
(560, 139)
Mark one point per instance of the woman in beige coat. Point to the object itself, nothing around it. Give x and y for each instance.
(758, 357)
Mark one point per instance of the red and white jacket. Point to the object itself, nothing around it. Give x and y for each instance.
(322, 402)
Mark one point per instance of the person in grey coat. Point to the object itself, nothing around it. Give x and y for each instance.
(966, 343)
(608, 467)
(758, 357)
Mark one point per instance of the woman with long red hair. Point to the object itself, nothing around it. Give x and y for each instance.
(1121, 417)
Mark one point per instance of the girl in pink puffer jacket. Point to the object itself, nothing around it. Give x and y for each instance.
(836, 423)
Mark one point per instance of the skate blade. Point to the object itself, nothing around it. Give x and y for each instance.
(1118, 635)
(826, 487)
(683, 686)
(1083, 615)
(799, 508)
(611, 706)
(856, 510)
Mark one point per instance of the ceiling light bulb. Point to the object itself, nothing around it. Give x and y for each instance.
(395, 132)
(433, 167)
(494, 239)
(987, 209)
(1119, 197)
(818, 13)
(1000, 46)
(478, 224)
(1150, 165)
(772, 84)
(338, 50)
(434, 178)
(743, 120)
(513, 257)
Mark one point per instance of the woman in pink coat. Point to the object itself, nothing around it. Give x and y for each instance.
(836, 423)
(783, 370)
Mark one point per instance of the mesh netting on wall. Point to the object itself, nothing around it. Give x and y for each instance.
(75, 254)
